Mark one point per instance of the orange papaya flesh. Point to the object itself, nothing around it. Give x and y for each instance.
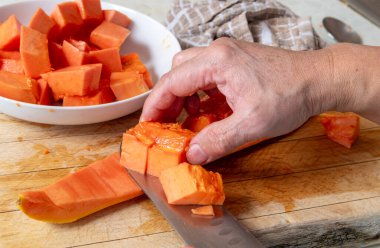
(187, 184)
(34, 52)
(88, 190)
(73, 55)
(127, 84)
(74, 80)
(10, 34)
(342, 128)
(196, 123)
(91, 12)
(116, 17)
(68, 19)
(12, 65)
(46, 96)
(102, 96)
(56, 55)
(18, 87)
(110, 58)
(41, 22)
(108, 35)
(161, 146)
(132, 62)
(207, 210)
(10, 55)
(80, 44)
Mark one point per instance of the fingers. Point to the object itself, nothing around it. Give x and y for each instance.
(184, 80)
(186, 55)
(218, 140)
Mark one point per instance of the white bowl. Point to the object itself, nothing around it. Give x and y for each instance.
(151, 40)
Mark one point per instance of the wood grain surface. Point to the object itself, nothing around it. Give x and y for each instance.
(299, 190)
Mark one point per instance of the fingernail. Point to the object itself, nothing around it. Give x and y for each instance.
(196, 155)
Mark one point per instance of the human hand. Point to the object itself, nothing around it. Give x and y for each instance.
(270, 90)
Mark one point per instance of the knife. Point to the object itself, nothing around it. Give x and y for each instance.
(219, 231)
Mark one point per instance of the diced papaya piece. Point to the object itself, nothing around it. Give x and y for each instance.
(34, 52)
(56, 55)
(134, 153)
(41, 22)
(80, 44)
(132, 62)
(108, 35)
(198, 122)
(46, 96)
(116, 17)
(11, 65)
(109, 57)
(127, 84)
(74, 80)
(207, 210)
(73, 55)
(10, 55)
(342, 128)
(187, 184)
(68, 18)
(18, 87)
(91, 11)
(90, 189)
(160, 160)
(10, 34)
(103, 96)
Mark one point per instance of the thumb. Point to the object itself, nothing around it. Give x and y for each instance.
(217, 140)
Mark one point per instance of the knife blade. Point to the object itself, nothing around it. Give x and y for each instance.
(221, 230)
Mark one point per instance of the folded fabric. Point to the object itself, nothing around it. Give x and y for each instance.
(198, 23)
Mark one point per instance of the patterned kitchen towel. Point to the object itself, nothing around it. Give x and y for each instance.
(198, 23)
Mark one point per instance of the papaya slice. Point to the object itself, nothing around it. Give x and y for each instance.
(46, 97)
(207, 210)
(73, 55)
(56, 56)
(132, 62)
(104, 95)
(74, 80)
(68, 19)
(116, 17)
(42, 23)
(10, 55)
(80, 44)
(18, 87)
(342, 128)
(11, 65)
(187, 184)
(108, 34)
(151, 147)
(10, 34)
(197, 122)
(109, 57)
(127, 84)
(90, 189)
(34, 52)
(91, 12)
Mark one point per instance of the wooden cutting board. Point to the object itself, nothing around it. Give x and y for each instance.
(300, 190)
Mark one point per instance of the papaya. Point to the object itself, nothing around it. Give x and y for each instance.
(90, 189)
(342, 128)
(56, 56)
(18, 87)
(74, 80)
(132, 62)
(10, 55)
(68, 19)
(42, 23)
(80, 44)
(10, 34)
(127, 84)
(187, 184)
(46, 97)
(197, 122)
(34, 52)
(116, 17)
(73, 55)
(207, 210)
(151, 147)
(109, 57)
(108, 34)
(11, 65)
(91, 12)
(102, 96)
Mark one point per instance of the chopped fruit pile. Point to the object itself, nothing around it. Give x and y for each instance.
(70, 58)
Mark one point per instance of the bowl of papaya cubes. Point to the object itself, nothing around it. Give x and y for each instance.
(78, 62)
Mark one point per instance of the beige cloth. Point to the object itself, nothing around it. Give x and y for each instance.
(198, 23)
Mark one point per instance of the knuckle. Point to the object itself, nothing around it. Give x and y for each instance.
(219, 142)
(177, 59)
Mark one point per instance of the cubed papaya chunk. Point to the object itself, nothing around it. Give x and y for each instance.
(41, 22)
(207, 210)
(90, 189)
(342, 128)
(187, 184)
(74, 80)
(109, 57)
(159, 160)
(10, 34)
(80, 44)
(108, 35)
(197, 122)
(134, 153)
(132, 62)
(10, 55)
(56, 55)
(103, 96)
(73, 55)
(11, 65)
(68, 18)
(18, 87)
(116, 17)
(91, 11)
(127, 84)
(46, 97)
(34, 52)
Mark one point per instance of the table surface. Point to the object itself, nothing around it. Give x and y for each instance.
(298, 190)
